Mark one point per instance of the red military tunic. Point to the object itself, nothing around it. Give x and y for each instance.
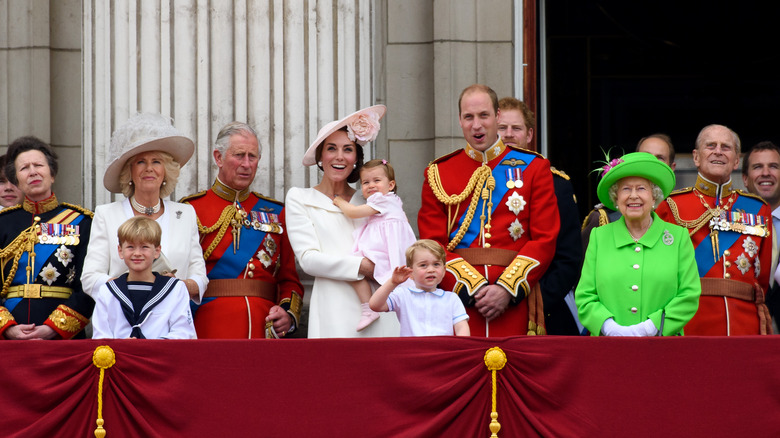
(261, 266)
(508, 241)
(733, 254)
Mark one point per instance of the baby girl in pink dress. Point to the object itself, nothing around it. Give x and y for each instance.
(385, 236)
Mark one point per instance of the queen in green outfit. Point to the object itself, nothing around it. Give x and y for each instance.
(639, 277)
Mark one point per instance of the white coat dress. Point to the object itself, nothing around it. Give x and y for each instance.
(321, 237)
(180, 243)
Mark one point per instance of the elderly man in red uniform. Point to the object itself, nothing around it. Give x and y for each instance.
(731, 231)
(254, 290)
(494, 210)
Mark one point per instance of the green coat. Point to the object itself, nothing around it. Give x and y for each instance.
(656, 278)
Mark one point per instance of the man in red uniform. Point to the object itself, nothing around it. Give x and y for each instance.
(731, 231)
(253, 290)
(493, 208)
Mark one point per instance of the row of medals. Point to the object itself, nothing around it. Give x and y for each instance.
(58, 234)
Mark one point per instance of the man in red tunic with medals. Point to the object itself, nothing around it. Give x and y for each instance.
(493, 208)
(731, 231)
(254, 290)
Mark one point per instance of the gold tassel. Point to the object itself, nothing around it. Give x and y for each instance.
(495, 359)
(103, 358)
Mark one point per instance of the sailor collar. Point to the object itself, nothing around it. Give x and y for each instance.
(490, 153)
(709, 188)
(228, 193)
(39, 207)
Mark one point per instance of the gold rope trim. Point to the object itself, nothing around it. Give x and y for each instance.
(480, 184)
(495, 359)
(692, 226)
(25, 241)
(222, 223)
(104, 358)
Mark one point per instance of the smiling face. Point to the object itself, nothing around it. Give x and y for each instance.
(427, 270)
(147, 171)
(237, 167)
(513, 129)
(763, 175)
(138, 256)
(716, 154)
(338, 157)
(478, 120)
(373, 180)
(634, 198)
(34, 175)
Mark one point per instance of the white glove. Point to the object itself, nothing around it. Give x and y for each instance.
(646, 328)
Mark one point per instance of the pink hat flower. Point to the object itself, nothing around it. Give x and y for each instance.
(364, 128)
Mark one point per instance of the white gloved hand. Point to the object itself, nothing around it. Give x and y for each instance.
(611, 328)
(645, 328)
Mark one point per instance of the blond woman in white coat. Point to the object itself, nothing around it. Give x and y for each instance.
(149, 153)
(321, 235)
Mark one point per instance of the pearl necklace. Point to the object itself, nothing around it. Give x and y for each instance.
(143, 209)
(636, 239)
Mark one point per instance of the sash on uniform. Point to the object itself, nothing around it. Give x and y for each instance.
(232, 265)
(499, 192)
(726, 239)
(160, 289)
(42, 254)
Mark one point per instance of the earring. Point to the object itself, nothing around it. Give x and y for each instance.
(130, 183)
(354, 165)
(165, 182)
(319, 163)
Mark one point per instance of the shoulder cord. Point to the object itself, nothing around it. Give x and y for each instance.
(694, 225)
(481, 183)
(222, 223)
(25, 241)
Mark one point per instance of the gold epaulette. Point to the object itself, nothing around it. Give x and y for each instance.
(446, 157)
(527, 151)
(10, 209)
(78, 208)
(515, 276)
(560, 173)
(682, 190)
(751, 195)
(269, 199)
(193, 196)
(466, 275)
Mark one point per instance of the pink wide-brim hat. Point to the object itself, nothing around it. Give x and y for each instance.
(144, 132)
(376, 111)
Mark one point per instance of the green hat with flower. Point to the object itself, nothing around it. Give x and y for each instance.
(640, 164)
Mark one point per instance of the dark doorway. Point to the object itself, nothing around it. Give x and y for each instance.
(620, 70)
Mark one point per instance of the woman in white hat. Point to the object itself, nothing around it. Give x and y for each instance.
(149, 153)
(321, 235)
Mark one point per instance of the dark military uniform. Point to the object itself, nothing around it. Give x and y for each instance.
(51, 239)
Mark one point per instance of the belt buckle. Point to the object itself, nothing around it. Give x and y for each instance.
(32, 291)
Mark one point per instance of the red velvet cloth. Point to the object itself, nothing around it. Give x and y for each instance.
(423, 387)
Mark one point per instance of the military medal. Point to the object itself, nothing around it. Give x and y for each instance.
(514, 178)
(515, 203)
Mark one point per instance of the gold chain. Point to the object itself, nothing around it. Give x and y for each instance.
(479, 181)
(697, 224)
(222, 223)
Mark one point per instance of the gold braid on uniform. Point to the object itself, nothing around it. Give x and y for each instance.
(480, 183)
(694, 225)
(25, 241)
(222, 223)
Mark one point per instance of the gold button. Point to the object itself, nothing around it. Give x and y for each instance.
(487, 245)
(727, 263)
(727, 275)
(250, 274)
(508, 275)
(252, 266)
(726, 253)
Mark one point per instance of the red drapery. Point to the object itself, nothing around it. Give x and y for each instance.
(423, 387)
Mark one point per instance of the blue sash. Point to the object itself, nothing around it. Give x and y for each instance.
(42, 254)
(232, 265)
(726, 239)
(499, 173)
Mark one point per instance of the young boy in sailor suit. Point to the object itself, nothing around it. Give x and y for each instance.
(142, 304)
